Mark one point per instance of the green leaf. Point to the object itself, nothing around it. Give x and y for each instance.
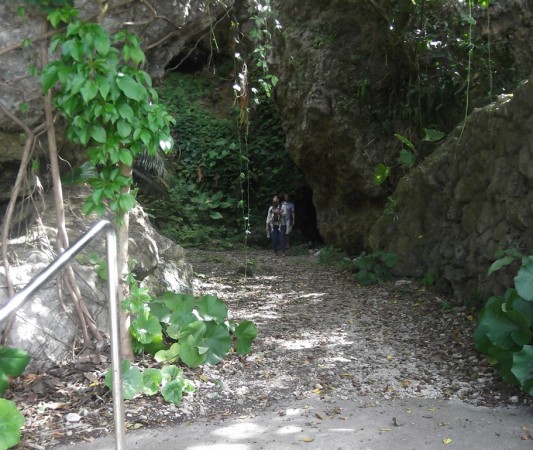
(13, 361)
(245, 333)
(123, 128)
(522, 368)
(524, 280)
(126, 158)
(89, 91)
(170, 373)
(405, 141)
(178, 321)
(152, 379)
(127, 202)
(4, 382)
(433, 135)
(10, 422)
(499, 263)
(407, 157)
(132, 382)
(178, 302)
(144, 329)
(170, 355)
(49, 77)
(103, 86)
(216, 215)
(190, 339)
(126, 112)
(212, 308)
(99, 134)
(381, 173)
(173, 391)
(218, 342)
(130, 87)
(102, 43)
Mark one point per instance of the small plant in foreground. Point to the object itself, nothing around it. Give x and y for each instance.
(375, 267)
(12, 364)
(178, 327)
(332, 256)
(505, 327)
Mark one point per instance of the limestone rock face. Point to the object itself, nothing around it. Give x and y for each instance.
(324, 63)
(334, 60)
(471, 198)
(46, 326)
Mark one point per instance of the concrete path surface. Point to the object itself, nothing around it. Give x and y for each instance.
(331, 424)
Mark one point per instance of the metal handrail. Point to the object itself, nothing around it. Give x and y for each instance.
(112, 266)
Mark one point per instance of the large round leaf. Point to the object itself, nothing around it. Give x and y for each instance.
(245, 333)
(523, 368)
(218, 342)
(171, 373)
(132, 382)
(13, 361)
(146, 328)
(10, 422)
(191, 351)
(170, 355)
(152, 379)
(178, 321)
(173, 391)
(524, 280)
(212, 308)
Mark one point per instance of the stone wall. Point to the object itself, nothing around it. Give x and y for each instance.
(471, 198)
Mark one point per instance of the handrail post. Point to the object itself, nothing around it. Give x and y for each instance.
(113, 276)
(114, 317)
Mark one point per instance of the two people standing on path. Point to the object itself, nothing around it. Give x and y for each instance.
(279, 221)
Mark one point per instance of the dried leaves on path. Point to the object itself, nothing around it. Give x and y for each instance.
(319, 334)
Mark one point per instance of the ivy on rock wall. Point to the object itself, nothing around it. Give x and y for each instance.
(220, 171)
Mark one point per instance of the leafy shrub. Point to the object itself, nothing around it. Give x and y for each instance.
(168, 381)
(12, 364)
(332, 256)
(369, 269)
(178, 327)
(195, 330)
(375, 267)
(505, 327)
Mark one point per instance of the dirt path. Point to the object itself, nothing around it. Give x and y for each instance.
(320, 336)
(320, 332)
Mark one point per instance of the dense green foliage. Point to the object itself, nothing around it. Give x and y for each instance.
(505, 328)
(109, 103)
(168, 381)
(210, 186)
(367, 268)
(443, 67)
(12, 364)
(178, 328)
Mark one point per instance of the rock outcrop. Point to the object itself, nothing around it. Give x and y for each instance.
(471, 198)
(46, 327)
(337, 68)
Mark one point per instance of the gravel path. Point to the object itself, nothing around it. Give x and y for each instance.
(319, 334)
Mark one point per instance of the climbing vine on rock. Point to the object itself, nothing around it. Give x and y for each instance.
(109, 103)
